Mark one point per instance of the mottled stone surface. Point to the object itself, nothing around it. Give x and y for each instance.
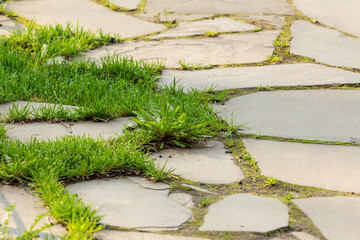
(129, 4)
(86, 13)
(125, 203)
(218, 25)
(245, 212)
(183, 199)
(210, 165)
(303, 236)
(225, 49)
(118, 235)
(272, 20)
(220, 6)
(336, 217)
(335, 13)
(328, 115)
(324, 166)
(303, 74)
(325, 45)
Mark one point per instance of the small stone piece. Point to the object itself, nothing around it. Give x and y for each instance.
(183, 199)
(129, 4)
(118, 235)
(273, 20)
(199, 189)
(204, 165)
(217, 25)
(304, 236)
(336, 217)
(325, 45)
(245, 212)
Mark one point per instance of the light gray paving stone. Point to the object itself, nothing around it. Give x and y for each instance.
(183, 199)
(86, 13)
(7, 26)
(303, 114)
(129, 4)
(303, 74)
(27, 208)
(205, 165)
(325, 45)
(220, 6)
(245, 212)
(273, 20)
(304, 236)
(118, 235)
(336, 217)
(196, 188)
(335, 13)
(324, 166)
(183, 17)
(220, 25)
(225, 49)
(125, 203)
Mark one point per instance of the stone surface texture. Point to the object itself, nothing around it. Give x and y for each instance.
(7, 26)
(245, 212)
(303, 236)
(225, 49)
(325, 45)
(218, 25)
(336, 217)
(86, 13)
(302, 74)
(183, 17)
(129, 4)
(118, 235)
(334, 13)
(125, 203)
(183, 199)
(273, 20)
(196, 188)
(210, 165)
(324, 166)
(303, 114)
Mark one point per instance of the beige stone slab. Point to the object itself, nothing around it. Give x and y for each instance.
(273, 20)
(303, 236)
(183, 17)
(118, 235)
(27, 208)
(324, 166)
(225, 49)
(325, 45)
(129, 4)
(183, 199)
(86, 13)
(337, 218)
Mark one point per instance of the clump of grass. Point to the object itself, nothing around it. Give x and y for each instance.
(264, 88)
(209, 33)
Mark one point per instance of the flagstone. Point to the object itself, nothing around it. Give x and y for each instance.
(325, 166)
(183, 17)
(273, 20)
(336, 217)
(303, 114)
(129, 4)
(119, 235)
(302, 74)
(303, 236)
(325, 45)
(183, 199)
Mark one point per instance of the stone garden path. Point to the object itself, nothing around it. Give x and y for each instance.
(217, 197)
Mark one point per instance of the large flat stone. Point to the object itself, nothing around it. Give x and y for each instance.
(27, 208)
(337, 218)
(325, 45)
(328, 115)
(129, 4)
(200, 27)
(245, 212)
(225, 49)
(324, 166)
(125, 203)
(303, 74)
(336, 13)
(220, 6)
(210, 165)
(86, 13)
(118, 235)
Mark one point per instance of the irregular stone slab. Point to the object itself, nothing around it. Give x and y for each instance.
(27, 208)
(204, 165)
(225, 49)
(245, 212)
(118, 235)
(325, 45)
(304, 236)
(307, 74)
(129, 4)
(336, 217)
(324, 166)
(197, 188)
(220, 7)
(183, 17)
(303, 114)
(86, 14)
(183, 199)
(200, 27)
(330, 13)
(273, 20)
(7, 26)
(125, 204)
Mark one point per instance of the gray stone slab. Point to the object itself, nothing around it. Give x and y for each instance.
(27, 208)
(205, 165)
(225, 49)
(273, 20)
(325, 45)
(337, 218)
(304, 236)
(118, 235)
(219, 25)
(86, 13)
(245, 212)
(335, 13)
(324, 166)
(183, 199)
(303, 74)
(129, 4)
(328, 115)
(183, 17)
(125, 203)
(220, 6)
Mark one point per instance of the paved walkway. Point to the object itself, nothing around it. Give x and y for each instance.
(311, 188)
